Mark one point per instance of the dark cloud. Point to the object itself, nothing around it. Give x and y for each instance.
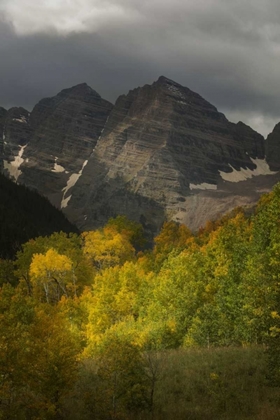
(226, 51)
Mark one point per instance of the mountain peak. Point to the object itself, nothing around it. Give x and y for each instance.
(162, 151)
(80, 89)
(164, 80)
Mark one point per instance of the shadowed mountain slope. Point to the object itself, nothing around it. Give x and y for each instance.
(24, 214)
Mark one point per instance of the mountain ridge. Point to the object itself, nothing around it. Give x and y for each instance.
(161, 152)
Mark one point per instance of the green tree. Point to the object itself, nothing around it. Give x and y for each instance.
(173, 237)
(38, 358)
(220, 321)
(124, 387)
(132, 230)
(16, 317)
(178, 293)
(7, 274)
(262, 279)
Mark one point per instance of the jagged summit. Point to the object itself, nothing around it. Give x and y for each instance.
(80, 89)
(183, 95)
(80, 92)
(164, 79)
(166, 82)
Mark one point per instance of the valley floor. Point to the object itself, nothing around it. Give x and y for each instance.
(201, 384)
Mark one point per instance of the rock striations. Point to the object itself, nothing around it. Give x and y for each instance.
(162, 152)
(165, 152)
(46, 150)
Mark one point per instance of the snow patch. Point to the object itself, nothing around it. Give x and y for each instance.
(102, 130)
(4, 137)
(21, 119)
(64, 202)
(262, 168)
(13, 167)
(203, 186)
(57, 168)
(70, 183)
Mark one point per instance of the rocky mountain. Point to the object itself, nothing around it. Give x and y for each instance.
(46, 149)
(165, 152)
(162, 152)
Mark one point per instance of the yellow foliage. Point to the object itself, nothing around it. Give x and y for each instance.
(107, 248)
(51, 262)
(172, 235)
(116, 298)
(50, 274)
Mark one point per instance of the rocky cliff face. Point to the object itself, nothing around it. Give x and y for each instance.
(65, 131)
(16, 133)
(165, 152)
(162, 152)
(46, 149)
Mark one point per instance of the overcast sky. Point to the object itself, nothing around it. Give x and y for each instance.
(226, 50)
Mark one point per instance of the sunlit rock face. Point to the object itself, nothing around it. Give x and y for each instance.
(162, 152)
(166, 153)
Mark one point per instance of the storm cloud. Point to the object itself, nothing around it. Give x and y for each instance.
(229, 52)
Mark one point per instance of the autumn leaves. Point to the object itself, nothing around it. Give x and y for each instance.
(70, 302)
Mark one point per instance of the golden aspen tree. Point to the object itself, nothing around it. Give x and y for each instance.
(107, 248)
(68, 245)
(118, 296)
(51, 272)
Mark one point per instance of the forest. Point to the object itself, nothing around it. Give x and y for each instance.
(25, 214)
(96, 326)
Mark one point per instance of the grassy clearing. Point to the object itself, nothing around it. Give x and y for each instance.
(222, 383)
(190, 384)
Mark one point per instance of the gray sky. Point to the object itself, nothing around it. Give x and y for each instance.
(226, 50)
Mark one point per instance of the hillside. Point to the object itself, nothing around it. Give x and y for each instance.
(24, 214)
(189, 329)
